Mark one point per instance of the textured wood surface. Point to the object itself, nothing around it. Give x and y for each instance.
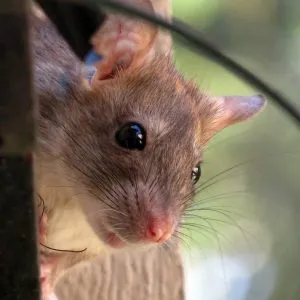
(155, 274)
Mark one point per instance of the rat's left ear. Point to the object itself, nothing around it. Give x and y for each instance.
(126, 43)
(235, 109)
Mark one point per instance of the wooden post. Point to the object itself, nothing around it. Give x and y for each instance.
(152, 275)
(18, 252)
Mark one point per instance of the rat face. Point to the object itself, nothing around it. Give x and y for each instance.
(130, 145)
(135, 157)
(134, 149)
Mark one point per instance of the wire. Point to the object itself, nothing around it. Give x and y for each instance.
(196, 42)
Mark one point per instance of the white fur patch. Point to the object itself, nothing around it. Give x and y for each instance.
(52, 296)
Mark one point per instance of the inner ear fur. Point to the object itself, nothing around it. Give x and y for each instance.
(224, 111)
(127, 55)
(230, 110)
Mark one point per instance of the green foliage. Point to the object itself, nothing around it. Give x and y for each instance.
(262, 35)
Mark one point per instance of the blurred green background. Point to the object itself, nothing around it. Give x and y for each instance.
(244, 242)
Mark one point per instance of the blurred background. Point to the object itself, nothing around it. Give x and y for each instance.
(241, 238)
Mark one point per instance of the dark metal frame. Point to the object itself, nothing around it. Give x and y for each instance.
(18, 251)
(18, 238)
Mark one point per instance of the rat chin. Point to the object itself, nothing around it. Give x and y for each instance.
(109, 237)
(114, 241)
(119, 229)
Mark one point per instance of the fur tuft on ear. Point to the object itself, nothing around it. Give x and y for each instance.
(235, 109)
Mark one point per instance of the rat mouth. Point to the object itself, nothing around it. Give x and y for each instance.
(111, 238)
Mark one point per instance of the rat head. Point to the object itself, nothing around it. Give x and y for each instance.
(133, 146)
(131, 141)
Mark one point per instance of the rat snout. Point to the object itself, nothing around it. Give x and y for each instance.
(156, 222)
(146, 217)
(159, 230)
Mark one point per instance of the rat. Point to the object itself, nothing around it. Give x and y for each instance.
(118, 154)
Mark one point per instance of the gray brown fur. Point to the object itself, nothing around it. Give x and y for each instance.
(79, 128)
(79, 166)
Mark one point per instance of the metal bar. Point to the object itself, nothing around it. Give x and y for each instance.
(16, 122)
(18, 251)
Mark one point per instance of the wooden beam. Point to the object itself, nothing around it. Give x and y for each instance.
(149, 275)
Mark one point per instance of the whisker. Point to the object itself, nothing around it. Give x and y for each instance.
(202, 226)
(210, 209)
(235, 223)
(100, 210)
(178, 234)
(201, 201)
(202, 232)
(232, 223)
(84, 173)
(222, 255)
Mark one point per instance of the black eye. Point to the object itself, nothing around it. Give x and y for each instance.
(131, 136)
(196, 174)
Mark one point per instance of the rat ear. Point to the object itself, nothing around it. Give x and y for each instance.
(235, 109)
(124, 43)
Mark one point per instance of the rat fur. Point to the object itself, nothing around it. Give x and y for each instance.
(96, 195)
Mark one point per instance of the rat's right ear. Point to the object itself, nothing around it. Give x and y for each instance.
(234, 109)
(125, 42)
(225, 111)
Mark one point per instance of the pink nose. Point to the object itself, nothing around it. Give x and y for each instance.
(159, 231)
